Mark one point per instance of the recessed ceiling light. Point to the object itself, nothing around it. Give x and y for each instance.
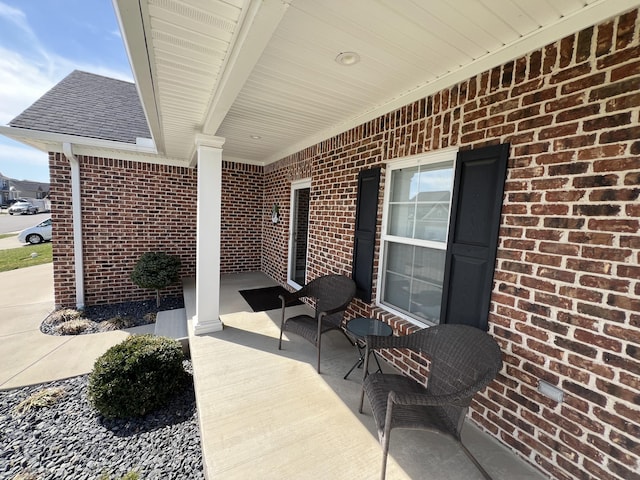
(347, 58)
(256, 137)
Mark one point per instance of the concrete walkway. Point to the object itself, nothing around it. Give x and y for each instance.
(27, 356)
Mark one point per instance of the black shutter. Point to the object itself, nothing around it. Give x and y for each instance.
(473, 235)
(365, 234)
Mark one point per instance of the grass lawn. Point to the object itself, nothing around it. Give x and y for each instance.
(15, 258)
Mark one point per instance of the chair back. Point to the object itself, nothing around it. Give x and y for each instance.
(332, 292)
(461, 357)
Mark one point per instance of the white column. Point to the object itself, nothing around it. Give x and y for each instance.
(207, 317)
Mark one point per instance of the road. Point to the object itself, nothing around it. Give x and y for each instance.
(17, 223)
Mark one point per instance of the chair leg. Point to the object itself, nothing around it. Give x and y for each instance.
(280, 341)
(475, 462)
(385, 454)
(318, 346)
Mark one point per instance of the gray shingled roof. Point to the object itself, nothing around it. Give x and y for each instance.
(88, 105)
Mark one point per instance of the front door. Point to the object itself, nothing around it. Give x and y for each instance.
(298, 232)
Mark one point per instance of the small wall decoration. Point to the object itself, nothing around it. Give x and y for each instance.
(275, 213)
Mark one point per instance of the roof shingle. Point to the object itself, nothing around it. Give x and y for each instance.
(88, 105)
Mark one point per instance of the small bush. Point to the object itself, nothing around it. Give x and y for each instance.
(74, 327)
(156, 270)
(136, 376)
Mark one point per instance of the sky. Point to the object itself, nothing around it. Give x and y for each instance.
(41, 42)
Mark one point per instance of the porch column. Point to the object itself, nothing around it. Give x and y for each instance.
(207, 317)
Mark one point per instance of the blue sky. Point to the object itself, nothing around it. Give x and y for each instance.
(41, 42)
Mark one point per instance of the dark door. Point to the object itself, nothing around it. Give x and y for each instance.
(473, 235)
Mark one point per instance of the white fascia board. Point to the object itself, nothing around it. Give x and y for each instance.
(130, 15)
(49, 137)
(94, 147)
(258, 26)
(592, 14)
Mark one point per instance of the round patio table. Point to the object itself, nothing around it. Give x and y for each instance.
(359, 328)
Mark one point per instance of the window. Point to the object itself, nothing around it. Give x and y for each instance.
(414, 235)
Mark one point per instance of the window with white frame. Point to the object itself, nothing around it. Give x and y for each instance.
(417, 204)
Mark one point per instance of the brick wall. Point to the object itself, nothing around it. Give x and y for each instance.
(128, 208)
(566, 300)
(242, 215)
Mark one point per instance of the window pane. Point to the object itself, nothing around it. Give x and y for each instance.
(431, 221)
(404, 184)
(399, 258)
(396, 291)
(425, 300)
(419, 204)
(401, 219)
(429, 265)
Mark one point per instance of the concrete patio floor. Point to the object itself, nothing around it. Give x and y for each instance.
(264, 413)
(267, 414)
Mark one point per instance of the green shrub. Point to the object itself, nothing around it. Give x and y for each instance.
(156, 270)
(136, 376)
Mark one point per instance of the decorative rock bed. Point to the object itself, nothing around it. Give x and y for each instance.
(71, 440)
(102, 318)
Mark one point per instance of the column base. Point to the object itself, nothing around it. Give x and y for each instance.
(202, 328)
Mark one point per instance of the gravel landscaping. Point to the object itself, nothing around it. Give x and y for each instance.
(103, 318)
(70, 440)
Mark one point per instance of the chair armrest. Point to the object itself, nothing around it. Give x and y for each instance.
(460, 397)
(288, 297)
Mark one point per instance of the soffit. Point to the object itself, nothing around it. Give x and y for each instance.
(205, 74)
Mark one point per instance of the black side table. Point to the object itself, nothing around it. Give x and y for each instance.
(359, 328)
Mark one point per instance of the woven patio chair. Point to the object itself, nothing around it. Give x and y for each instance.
(332, 294)
(463, 360)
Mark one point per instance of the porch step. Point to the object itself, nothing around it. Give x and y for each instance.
(173, 324)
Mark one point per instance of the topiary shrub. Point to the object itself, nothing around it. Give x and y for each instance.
(156, 270)
(136, 376)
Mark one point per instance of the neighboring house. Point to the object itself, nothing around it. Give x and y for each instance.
(251, 95)
(12, 189)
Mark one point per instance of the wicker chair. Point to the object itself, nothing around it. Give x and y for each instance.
(463, 360)
(332, 294)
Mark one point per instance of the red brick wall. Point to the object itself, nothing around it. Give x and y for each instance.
(128, 208)
(242, 214)
(566, 301)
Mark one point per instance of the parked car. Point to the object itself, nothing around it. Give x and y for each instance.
(37, 234)
(22, 207)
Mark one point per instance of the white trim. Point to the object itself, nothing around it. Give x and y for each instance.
(258, 26)
(130, 19)
(47, 142)
(296, 185)
(28, 134)
(429, 158)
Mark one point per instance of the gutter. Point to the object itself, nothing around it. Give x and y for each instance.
(77, 223)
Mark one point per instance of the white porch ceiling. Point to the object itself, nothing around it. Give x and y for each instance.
(241, 69)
